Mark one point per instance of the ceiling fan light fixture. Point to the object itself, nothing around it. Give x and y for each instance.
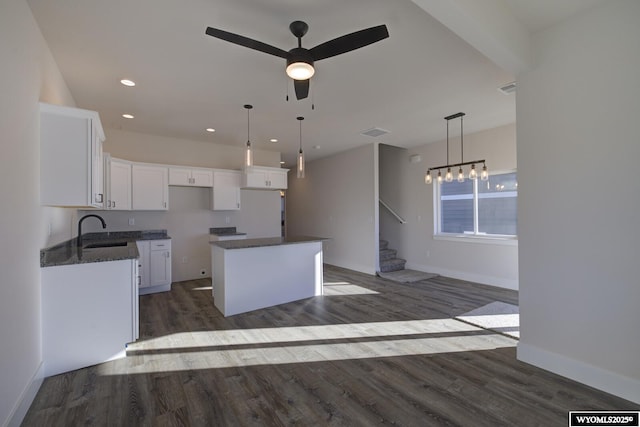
(300, 71)
(300, 64)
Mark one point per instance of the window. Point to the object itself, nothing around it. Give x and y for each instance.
(478, 208)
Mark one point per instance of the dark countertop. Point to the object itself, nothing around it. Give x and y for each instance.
(225, 231)
(69, 252)
(268, 241)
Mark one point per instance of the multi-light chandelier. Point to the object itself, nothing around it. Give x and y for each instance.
(473, 174)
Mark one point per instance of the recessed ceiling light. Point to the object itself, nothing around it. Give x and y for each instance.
(282, 162)
(211, 130)
(128, 116)
(273, 140)
(127, 82)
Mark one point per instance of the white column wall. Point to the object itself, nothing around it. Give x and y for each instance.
(29, 74)
(578, 152)
(338, 199)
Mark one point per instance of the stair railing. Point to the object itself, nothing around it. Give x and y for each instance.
(394, 213)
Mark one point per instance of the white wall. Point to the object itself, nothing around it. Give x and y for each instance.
(338, 199)
(28, 75)
(141, 147)
(402, 187)
(578, 152)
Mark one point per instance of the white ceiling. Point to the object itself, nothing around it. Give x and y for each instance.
(188, 81)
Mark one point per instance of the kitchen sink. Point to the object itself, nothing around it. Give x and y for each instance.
(104, 245)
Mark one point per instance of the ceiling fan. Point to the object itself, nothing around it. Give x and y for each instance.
(299, 59)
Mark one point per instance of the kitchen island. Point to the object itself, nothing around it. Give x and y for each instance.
(257, 273)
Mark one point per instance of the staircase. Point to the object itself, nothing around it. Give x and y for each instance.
(388, 260)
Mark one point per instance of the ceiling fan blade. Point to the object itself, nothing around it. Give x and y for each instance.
(246, 42)
(349, 42)
(302, 88)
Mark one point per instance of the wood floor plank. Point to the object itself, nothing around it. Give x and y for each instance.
(371, 352)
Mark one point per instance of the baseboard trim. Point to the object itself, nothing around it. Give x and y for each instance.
(26, 398)
(593, 376)
(500, 282)
(367, 269)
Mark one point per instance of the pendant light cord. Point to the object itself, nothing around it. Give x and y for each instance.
(447, 141)
(461, 141)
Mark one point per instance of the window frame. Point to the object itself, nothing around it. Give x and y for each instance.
(475, 237)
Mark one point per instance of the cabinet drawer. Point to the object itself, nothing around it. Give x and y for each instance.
(155, 245)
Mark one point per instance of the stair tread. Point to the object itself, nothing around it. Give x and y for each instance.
(393, 264)
(387, 254)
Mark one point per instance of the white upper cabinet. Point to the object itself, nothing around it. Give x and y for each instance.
(191, 177)
(71, 163)
(265, 178)
(117, 182)
(150, 187)
(225, 194)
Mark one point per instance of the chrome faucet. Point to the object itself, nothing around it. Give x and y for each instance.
(104, 225)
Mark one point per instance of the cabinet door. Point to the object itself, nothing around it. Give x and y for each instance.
(70, 157)
(256, 179)
(97, 171)
(225, 198)
(159, 267)
(119, 185)
(278, 180)
(143, 263)
(150, 187)
(179, 176)
(202, 177)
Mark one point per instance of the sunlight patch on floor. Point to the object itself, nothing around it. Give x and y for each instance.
(302, 333)
(345, 288)
(215, 359)
(210, 349)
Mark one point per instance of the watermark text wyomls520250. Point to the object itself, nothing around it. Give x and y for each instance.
(604, 418)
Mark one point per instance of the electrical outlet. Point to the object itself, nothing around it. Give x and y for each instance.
(132, 221)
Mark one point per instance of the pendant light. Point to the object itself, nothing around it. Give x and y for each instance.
(300, 153)
(473, 174)
(248, 157)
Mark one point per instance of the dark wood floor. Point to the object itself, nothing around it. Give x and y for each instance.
(369, 352)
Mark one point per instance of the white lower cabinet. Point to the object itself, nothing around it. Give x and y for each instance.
(154, 266)
(89, 313)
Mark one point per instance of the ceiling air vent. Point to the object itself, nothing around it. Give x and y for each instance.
(508, 88)
(374, 132)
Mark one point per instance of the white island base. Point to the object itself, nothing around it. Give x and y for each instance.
(258, 273)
